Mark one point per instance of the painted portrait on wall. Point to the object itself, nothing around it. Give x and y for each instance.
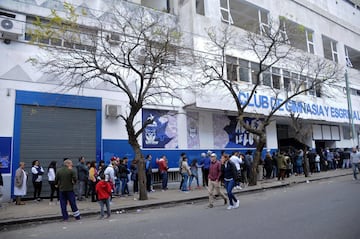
(162, 132)
(193, 140)
(228, 132)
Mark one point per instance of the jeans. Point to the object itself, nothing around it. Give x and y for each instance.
(192, 178)
(354, 166)
(37, 189)
(124, 186)
(346, 163)
(68, 196)
(148, 182)
(53, 190)
(229, 185)
(105, 202)
(81, 187)
(164, 179)
(184, 184)
(117, 185)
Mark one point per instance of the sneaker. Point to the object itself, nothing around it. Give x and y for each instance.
(237, 204)
(210, 206)
(101, 217)
(229, 207)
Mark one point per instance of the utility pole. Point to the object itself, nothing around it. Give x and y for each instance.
(351, 119)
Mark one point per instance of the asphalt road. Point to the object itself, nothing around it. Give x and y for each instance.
(323, 210)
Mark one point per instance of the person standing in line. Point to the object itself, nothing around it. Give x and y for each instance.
(214, 180)
(51, 179)
(110, 173)
(355, 161)
(186, 173)
(37, 172)
(194, 174)
(282, 164)
(134, 175)
(182, 156)
(163, 170)
(103, 191)
(65, 180)
(206, 161)
(229, 172)
(346, 158)
(237, 161)
(268, 165)
(20, 188)
(82, 176)
(123, 173)
(148, 172)
(92, 180)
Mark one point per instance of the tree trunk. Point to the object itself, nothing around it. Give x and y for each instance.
(140, 164)
(257, 159)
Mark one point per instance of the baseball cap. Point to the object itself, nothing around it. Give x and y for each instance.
(213, 155)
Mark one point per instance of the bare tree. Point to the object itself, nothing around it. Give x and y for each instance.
(270, 48)
(133, 49)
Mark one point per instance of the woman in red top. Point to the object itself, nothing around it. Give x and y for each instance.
(103, 190)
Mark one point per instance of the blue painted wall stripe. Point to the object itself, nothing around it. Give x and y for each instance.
(57, 100)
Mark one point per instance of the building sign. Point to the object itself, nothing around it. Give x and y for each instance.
(5, 154)
(162, 132)
(266, 102)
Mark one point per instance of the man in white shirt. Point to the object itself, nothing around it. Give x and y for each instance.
(237, 161)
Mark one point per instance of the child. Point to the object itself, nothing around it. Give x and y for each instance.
(103, 190)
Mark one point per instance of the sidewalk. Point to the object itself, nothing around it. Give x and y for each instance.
(10, 214)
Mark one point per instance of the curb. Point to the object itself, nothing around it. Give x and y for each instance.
(39, 220)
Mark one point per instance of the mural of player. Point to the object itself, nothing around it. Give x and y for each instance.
(161, 133)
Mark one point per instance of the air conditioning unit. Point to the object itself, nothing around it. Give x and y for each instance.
(11, 28)
(112, 111)
(113, 38)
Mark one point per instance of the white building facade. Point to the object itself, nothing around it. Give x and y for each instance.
(43, 120)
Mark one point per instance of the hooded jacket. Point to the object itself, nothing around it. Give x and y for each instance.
(103, 190)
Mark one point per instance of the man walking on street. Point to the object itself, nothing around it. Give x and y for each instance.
(214, 180)
(355, 161)
(65, 179)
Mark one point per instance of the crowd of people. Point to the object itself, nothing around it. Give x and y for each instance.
(103, 182)
(308, 161)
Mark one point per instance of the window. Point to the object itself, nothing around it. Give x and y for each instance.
(245, 15)
(297, 35)
(352, 57)
(231, 68)
(81, 38)
(244, 70)
(200, 8)
(255, 69)
(276, 77)
(287, 80)
(346, 132)
(310, 86)
(266, 77)
(161, 5)
(330, 49)
(225, 11)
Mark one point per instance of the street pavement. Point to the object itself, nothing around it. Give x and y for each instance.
(11, 214)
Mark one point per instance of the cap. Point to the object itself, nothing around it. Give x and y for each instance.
(113, 159)
(213, 155)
